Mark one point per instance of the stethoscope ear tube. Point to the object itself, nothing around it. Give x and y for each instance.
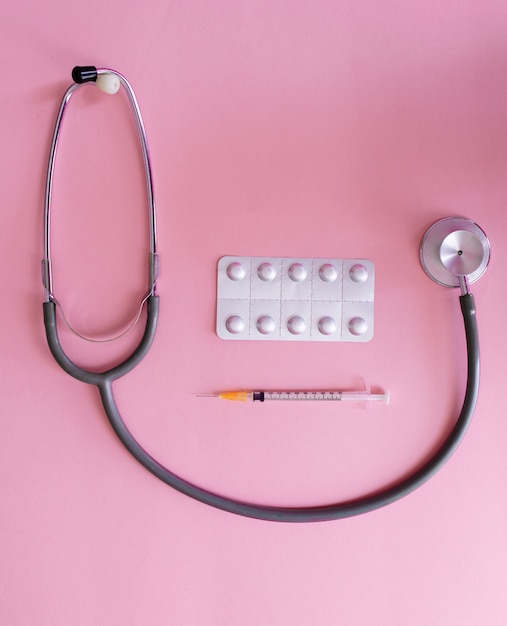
(327, 512)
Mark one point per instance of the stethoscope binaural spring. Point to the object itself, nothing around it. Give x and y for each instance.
(454, 252)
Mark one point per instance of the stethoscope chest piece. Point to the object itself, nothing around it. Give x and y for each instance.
(453, 248)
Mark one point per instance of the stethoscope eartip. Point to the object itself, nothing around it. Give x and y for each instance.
(84, 74)
(108, 83)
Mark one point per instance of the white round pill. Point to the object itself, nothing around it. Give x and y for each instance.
(296, 325)
(328, 273)
(327, 325)
(266, 324)
(108, 83)
(297, 272)
(358, 326)
(266, 272)
(358, 273)
(235, 324)
(236, 271)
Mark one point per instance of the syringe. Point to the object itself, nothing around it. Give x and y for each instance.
(305, 396)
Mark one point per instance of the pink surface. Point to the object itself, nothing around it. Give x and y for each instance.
(333, 129)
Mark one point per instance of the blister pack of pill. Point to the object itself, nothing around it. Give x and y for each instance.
(295, 299)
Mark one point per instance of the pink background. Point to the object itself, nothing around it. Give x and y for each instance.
(319, 129)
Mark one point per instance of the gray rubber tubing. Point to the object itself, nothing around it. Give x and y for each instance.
(350, 508)
(108, 376)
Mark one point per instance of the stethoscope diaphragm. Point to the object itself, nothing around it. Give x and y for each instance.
(454, 247)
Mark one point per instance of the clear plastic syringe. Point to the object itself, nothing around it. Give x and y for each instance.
(305, 396)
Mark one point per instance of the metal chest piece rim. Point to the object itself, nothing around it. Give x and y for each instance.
(454, 248)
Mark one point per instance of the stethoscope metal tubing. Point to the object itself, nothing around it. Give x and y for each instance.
(47, 276)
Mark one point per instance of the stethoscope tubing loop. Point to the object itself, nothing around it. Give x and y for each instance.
(109, 375)
(359, 506)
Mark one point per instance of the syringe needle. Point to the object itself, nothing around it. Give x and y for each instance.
(238, 396)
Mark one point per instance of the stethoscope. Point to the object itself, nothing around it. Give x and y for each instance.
(454, 252)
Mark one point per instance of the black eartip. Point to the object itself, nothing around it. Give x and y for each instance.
(84, 74)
